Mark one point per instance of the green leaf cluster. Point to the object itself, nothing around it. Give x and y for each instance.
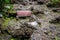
(7, 1)
(4, 1)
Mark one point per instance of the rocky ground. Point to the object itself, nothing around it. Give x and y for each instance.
(43, 24)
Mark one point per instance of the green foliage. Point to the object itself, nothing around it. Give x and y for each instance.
(7, 1)
(8, 8)
(15, 38)
(55, 1)
(57, 38)
(12, 39)
(4, 1)
(6, 21)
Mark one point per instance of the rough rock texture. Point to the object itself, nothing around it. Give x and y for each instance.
(43, 28)
(5, 37)
(18, 29)
(39, 26)
(56, 9)
(46, 34)
(1, 23)
(47, 31)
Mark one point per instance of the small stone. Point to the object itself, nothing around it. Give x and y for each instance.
(46, 12)
(33, 25)
(7, 7)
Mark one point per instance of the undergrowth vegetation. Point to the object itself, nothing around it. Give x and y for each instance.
(54, 3)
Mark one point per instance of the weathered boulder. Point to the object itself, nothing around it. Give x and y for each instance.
(49, 33)
(17, 29)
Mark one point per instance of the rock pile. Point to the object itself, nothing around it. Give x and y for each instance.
(38, 26)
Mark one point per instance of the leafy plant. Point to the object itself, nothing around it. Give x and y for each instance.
(2, 3)
(7, 1)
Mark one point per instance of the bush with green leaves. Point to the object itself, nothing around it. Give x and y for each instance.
(2, 3)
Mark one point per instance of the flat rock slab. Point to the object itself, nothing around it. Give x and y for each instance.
(23, 13)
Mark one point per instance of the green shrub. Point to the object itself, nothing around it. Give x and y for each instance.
(3, 2)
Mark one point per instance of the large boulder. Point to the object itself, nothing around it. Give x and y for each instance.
(49, 33)
(17, 29)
